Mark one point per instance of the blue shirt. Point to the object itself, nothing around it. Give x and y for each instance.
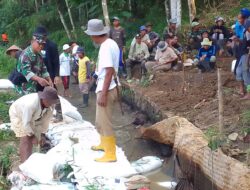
(209, 52)
(239, 30)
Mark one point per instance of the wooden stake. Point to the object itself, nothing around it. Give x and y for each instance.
(220, 98)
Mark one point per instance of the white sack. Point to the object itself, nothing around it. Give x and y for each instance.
(56, 186)
(233, 65)
(147, 164)
(42, 168)
(5, 84)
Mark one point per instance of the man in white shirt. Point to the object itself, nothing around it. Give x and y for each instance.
(106, 70)
(30, 116)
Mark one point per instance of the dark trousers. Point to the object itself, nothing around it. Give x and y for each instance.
(206, 66)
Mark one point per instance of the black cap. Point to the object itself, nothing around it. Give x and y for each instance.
(40, 31)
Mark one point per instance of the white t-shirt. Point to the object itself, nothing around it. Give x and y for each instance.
(64, 64)
(108, 57)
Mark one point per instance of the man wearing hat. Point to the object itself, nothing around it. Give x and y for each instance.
(65, 60)
(106, 69)
(195, 36)
(144, 37)
(205, 60)
(14, 51)
(30, 116)
(219, 34)
(117, 33)
(165, 58)
(171, 28)
(239, 25)
(51, 59)
(32, 67)
(138, 54)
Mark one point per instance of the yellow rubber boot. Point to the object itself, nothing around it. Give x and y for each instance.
(100, 146)
(109, 150)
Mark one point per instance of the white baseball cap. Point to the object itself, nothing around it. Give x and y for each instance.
(66, 46)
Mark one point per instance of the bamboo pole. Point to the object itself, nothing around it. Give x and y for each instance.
(71, 19)
(64, 23)
(220, 98)
(105, 12)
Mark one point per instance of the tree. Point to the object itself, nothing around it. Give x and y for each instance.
(71, 19)
(175, 10)
(105, 12)
(166, 5)
(64, 23)
(36, 5)
(192, 10)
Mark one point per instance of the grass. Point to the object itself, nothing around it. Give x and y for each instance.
(7, 64)
(245, 118)
(4, 108)
(215, 139)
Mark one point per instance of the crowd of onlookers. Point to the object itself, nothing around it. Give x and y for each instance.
(151, 51)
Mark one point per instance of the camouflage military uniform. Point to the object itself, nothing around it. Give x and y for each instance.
(30, 64)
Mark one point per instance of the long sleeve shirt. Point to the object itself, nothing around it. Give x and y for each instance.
(51, 59)
(138, 51)
(31, 64)
(208, 52)
(239, 30)
(29, 114)
(223, 29)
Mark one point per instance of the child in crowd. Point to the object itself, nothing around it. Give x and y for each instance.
(219, 34)
(84, 74)
(65, 60)
(205, 60)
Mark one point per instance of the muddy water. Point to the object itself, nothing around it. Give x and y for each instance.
(125, 131)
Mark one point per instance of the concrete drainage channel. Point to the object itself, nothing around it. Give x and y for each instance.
(206, 169)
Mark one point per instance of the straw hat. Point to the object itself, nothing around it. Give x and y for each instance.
(13, 48)
(96, 28)
(206, 42)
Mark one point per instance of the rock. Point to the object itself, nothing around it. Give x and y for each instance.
(233, 136)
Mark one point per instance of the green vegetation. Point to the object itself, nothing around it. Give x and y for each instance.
(245, 118)
(7, 64)
(4, 108)
(5, 159)
(215, 139)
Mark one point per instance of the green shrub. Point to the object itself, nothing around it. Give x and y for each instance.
(7, 64)
(4, 108)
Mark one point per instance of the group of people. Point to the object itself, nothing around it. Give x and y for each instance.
(40, 68)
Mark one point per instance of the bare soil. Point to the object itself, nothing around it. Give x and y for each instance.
(193, 95)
